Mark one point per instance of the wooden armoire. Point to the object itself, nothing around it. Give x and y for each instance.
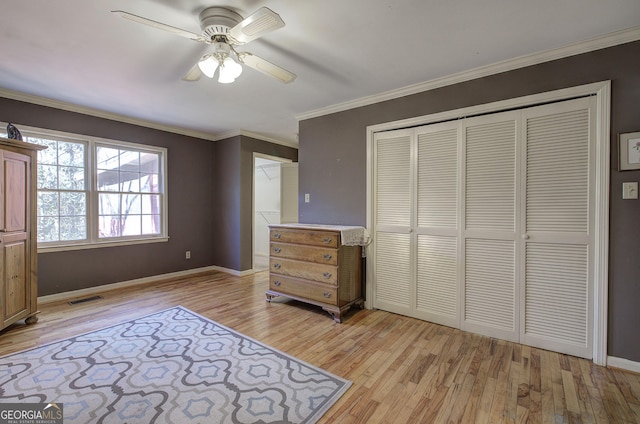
(18, 236)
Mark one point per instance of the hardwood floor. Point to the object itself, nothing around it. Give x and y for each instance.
(403, 370)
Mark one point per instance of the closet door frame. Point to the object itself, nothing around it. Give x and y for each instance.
(601, 171)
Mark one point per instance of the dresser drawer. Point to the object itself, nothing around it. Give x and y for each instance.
(304, 289)
(307, 270)
(314, 238)
(319, 255)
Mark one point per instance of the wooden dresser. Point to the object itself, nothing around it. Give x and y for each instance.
(309, 263)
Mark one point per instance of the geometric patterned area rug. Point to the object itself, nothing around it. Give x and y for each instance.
(173, 366)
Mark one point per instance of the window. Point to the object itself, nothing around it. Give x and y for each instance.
(94, 192)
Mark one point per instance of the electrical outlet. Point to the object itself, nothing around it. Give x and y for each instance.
(307, 198)
(187, 254)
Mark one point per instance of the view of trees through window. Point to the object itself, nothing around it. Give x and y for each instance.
(90, 191)
(62, 190)
(127, 185)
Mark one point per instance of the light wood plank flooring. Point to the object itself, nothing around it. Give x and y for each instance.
(403, 370)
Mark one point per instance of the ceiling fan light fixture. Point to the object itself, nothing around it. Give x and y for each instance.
(229, 70)
(208, 66)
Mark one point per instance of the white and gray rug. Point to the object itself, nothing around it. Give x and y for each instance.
(174, 366)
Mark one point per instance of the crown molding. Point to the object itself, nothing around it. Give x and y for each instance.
(70, 107)
(257, 136)
(609, 40)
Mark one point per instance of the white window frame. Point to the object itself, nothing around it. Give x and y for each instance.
(92, 210)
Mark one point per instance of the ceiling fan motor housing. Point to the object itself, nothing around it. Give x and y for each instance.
(218, 21)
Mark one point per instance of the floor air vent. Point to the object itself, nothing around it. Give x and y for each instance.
(86, 299)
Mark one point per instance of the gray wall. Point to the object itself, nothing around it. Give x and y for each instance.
(234, 198)
(206, 210)
(333, 160)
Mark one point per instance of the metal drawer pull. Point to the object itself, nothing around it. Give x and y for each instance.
(326, 240)
(327, 294)
(326, 275)
(277, 283)
(277, 250)
(327, 256)
(276, 235)
(276, 266)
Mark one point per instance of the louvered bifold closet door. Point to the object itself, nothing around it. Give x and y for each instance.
(557, 239)
(437, 228)
(393, 273)
(490, 225)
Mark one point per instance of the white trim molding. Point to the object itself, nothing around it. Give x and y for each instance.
(624, 364)
(609, 40)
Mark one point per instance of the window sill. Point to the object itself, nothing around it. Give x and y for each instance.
(98, 245)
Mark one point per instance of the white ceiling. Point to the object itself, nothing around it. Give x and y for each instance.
(78, 53)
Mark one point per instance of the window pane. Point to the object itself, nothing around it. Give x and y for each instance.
(150, 162)
(129, 181)
(108, 226)
(73, 204)
(131, 204)
(129, 161)
(70, 178)
(47, 228)
(48, 176)
(107, 158)
(48, 204)
(149, 183)
(150, 204)
(132, 225)
(150, 224)
(73, 228)
(108, 181)
(109, 204)
(70, 154)
(48, 156)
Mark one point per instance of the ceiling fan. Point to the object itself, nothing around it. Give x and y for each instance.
(225, 29)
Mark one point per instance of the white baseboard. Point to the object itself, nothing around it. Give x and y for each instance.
(130, 283)
(624, 364)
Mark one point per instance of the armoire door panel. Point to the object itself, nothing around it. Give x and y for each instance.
(16, 167)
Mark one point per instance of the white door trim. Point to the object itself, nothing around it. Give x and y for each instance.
(602, 91)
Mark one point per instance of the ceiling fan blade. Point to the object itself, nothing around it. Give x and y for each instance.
(261, 22)
(268, 68)
(193, 74)
(159, 25)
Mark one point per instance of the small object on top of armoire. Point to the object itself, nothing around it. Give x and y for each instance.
(317, 264)
(18, 238)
